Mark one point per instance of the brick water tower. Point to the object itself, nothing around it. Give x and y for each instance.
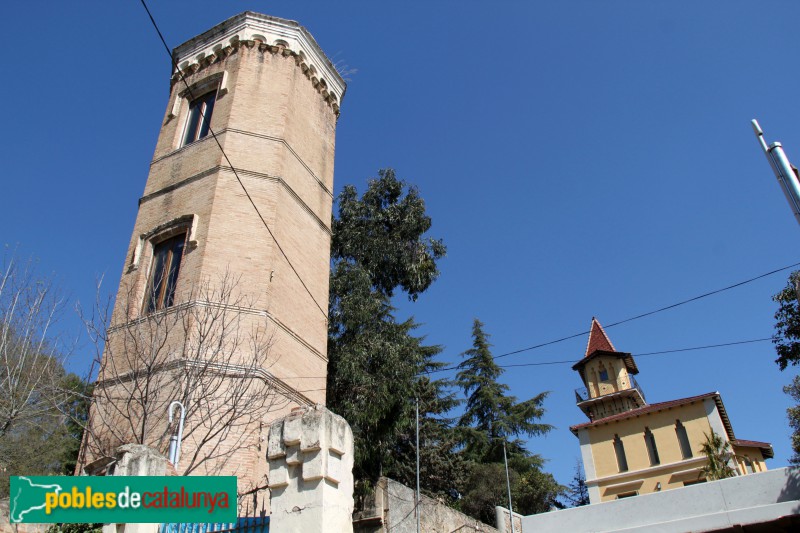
(222, 303)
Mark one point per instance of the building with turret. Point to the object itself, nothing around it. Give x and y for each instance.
(631, 447)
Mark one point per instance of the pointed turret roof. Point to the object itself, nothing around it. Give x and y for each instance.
(598, 340)
(599, 345)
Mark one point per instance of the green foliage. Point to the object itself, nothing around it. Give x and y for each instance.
(793, 390)
(491, 418)
(491, 415)
(75, 528)
(787, 345)
(532, 492)
(37, 396)
(378, 246)
(718, 452)
(383, 232)
(787, 324)
(577, 493)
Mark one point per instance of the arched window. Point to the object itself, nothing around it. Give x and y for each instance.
(652, 451)
(619, 450)
(683, 440)
(603, 373)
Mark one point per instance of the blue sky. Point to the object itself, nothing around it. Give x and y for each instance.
(578, 158)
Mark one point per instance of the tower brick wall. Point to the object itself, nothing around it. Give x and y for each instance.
(275, 114)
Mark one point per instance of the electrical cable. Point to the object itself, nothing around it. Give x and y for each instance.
(659, 310)
(214, 136)
(709, 346)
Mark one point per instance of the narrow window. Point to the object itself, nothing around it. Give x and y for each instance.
(604, 375)
(683, 440)
(748, 464)
(619, 450)
(200, 110)
(652, 451)
(167, 257)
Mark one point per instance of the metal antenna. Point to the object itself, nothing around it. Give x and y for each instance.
(508, 485)
(783, 169)
(419, 510)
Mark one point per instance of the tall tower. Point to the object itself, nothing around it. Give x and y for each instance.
(230, 248)
(607, 375)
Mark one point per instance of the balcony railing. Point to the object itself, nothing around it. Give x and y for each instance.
(618, 385)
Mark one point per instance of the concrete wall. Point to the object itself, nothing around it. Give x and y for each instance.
(753, 499)
(394, 511)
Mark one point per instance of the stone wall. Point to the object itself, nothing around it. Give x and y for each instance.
(393, 509)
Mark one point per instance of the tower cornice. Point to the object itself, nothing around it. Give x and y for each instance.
(267, 33)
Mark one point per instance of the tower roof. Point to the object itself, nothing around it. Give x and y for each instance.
(253, 27)
(599, 345)
(598, 340)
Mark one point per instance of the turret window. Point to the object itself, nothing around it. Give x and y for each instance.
(199, 120)
(652, 451)
(619, 450)
(683, 440)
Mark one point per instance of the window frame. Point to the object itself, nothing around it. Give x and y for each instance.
(202, 118)
(683, 440)
(652, 449)
(170, 271)
(619, 451)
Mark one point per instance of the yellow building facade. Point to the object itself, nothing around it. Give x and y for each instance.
(632, 447)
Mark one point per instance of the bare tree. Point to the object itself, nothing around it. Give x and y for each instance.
(34, 388)
(211, 353)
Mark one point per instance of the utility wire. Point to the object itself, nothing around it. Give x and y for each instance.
(653, 312)
(543, 363)
(214, 135)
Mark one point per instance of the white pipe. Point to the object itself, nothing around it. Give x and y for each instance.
(175, 440)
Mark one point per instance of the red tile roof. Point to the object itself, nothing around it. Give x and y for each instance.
(653, 407)
(766, 447)
(598, 340)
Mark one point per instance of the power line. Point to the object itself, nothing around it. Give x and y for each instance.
(676, 350)
(214, 136)
(659, 310)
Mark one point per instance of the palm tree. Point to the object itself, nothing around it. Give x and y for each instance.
(718, 452)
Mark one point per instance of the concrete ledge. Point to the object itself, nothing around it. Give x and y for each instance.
(740, 501)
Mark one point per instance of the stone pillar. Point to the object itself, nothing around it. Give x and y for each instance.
(310, 455)
(136, 460)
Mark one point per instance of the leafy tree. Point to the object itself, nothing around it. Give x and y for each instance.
(787, 324)
(490, 418)
(787, 345)
(718, 452)
(383, 233)
(577, 493)
(379, 246)
(442, 468)
(793, 390)
(36, 393)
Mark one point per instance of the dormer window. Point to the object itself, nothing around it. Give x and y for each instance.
(199, 120)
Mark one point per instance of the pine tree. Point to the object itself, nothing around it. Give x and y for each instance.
(577, 493)
(492, 418)
(374, 360)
